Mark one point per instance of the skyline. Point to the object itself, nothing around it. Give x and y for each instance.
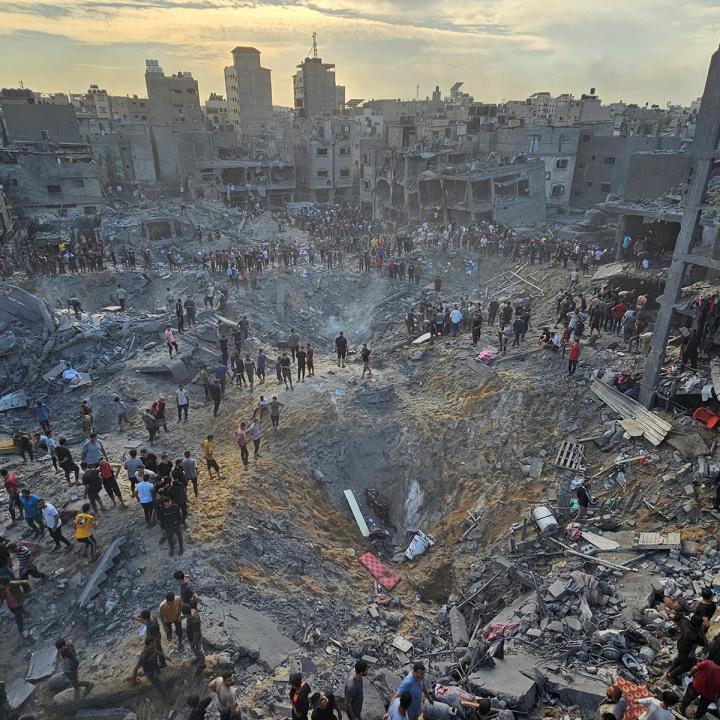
(653, 52)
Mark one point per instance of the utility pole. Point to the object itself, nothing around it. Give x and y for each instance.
(704, 153)
(417, 91)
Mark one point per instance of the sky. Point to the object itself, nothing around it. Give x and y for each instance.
(633, 50)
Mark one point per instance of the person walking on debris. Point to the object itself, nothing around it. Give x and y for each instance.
(573, 358)
(705, 688)
(354, 691)
(215, 390)
(260, 365)
(12, 489)
(121, 294)
(190, 310)
(310, 359)
(476, 324)
(692, 635)
(69, 664)
(255, 432)
(179, 315)
(286, 370)
(189, 466)
(400, 707)
(241, 439)
(121, 411)
(249, 364)
(414, 684)
(365, 357)
(275, 407)
(26, 560)
(93, 485)
(182, 400)
(193, 631)
(92, 451)
(341, 349)
(33, 515)
(42, 415)
(13, 594)
(220, 373)
(151, 662)
(145, 491)
(224, 688)
(208, 447)
(301, 357)
(237, 367)
(170, 340)
(84, 523)
(51, 518)
(170, 617)
(86, 418)
(171, 519)
(293, 342)
(66, 462)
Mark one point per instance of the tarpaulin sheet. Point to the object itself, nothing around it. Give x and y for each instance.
(385, 577)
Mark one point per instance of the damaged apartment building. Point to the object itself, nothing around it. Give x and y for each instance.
(46, 167)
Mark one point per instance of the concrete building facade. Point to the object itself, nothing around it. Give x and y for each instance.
(315, 90)
(603, 161)
(174, 100)
(248, 88)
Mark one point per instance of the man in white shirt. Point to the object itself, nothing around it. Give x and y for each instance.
(51, 518)
(455, 319)
(659, 709)
(183, 402)
(121, 294)
(145, 490)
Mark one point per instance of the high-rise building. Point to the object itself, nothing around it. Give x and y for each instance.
(314, 88)
(249, 94)
(174, 99)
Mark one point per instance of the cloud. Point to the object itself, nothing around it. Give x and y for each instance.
(645, 50)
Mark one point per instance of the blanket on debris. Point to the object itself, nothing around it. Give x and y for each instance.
(385, 577)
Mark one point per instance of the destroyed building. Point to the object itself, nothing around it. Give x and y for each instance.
(45, 166)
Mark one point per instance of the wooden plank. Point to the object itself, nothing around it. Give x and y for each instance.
(631, 427)
(357, 513)
(600, 542)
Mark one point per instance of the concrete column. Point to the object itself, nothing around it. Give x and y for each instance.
(703, 150)
(619, 234)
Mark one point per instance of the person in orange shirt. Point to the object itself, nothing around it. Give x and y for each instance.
(573, 357)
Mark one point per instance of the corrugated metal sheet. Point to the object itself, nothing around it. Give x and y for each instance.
(654, 428)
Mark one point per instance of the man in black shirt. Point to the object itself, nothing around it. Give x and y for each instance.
(324, 707)
(171, 520)
(286, 371)
(341, 349)
(149, 460)
(193, 631)
(692, 634)
(93, 485)
(69, 665)
(151, 662)
(165, 466)
(66, 462)
(300, 354)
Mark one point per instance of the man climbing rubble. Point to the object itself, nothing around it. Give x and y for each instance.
(415, 686)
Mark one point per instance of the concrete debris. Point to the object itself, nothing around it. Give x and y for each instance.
(14, 400)
(100, 572)
(42, 663)
(245, 631)
(106, 714)
(18, 691)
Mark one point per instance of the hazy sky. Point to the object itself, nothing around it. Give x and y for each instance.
(633, 50)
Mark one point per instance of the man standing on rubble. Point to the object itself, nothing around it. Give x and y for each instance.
(183, 402)
(341, 349)
(42, 415)
(70, 665)
(413, 684)
(171, 519)
(92, 451)
(354, 694)
(705, 685)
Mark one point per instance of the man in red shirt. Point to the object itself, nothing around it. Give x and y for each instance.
(617, 312)
(13, 491)
(705, 685)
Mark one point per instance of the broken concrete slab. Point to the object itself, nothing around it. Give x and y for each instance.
(18, 691)
(458, 627)
(507, 682)
(7, 342)
(230, 625)
(176, 369)
(107, 714)
(18, 304)
(92, 587)
(13, 400)
(42, 663)
(558, 589)
(402, 644)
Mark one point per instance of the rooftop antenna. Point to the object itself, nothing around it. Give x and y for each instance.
(417, 91)
(314, 45)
